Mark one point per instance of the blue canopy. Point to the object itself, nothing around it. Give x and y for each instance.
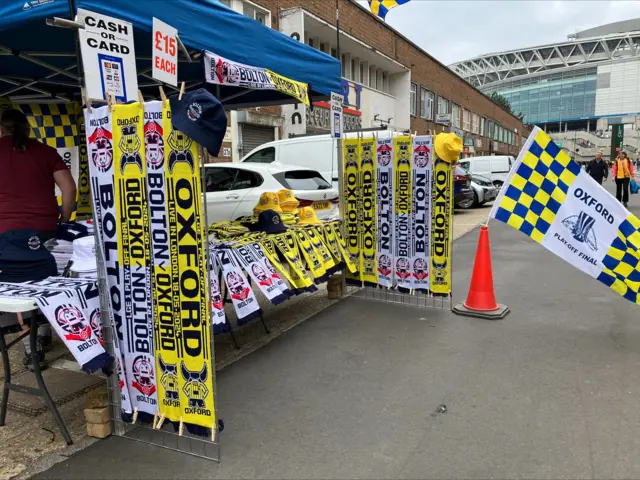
(201, 25)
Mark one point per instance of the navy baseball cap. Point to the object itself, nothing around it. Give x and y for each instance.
(201, 117)
(269, 221)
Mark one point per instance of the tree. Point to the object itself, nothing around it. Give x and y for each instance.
(504, 103)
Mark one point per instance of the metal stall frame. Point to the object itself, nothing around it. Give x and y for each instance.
(386, 294)
(165, 437)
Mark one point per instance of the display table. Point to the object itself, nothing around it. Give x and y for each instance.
(16, 305)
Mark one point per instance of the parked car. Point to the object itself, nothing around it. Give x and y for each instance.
(462, 191)
(483, 191)
(233, 189)
(317, 152)
(495, 168)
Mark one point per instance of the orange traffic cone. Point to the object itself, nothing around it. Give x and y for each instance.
(481, 301)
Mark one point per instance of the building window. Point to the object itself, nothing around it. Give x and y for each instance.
(226, 3)
(354, 70)
(412, 99)
(256, 13)
(343, 62)
(372, 77)
(443, 106)
(426, 104)
(482, 126)
(362, 73)
(455, 115)
(466, 120)
(385, 82)
(475, 123)
(334, 53)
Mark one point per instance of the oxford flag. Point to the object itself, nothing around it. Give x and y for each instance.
(382, 7)
(548, 197)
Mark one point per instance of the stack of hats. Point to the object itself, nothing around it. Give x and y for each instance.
(308, 216)
(83, 260)
(62, 246)
(288, 202)
(268, 201)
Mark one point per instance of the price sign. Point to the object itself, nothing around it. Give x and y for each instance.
(165, 53)
(337, 118)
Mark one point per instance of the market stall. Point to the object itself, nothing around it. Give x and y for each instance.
(181, 393)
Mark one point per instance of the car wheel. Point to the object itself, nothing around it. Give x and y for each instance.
(497, 184)
(467, 203)
(476, 202)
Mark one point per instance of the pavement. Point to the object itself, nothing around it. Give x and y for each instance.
(365, 389)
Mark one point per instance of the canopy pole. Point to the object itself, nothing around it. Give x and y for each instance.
(20, 86)
(42, 63)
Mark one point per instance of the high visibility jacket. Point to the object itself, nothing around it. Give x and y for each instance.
(622, 168)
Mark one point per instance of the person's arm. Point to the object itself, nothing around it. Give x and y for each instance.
(67, 186)
(588, 169)
(606, 170)
(614, 170)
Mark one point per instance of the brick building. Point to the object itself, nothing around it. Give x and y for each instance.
(388, 81)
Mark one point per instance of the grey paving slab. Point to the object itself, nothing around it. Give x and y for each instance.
(550, 392)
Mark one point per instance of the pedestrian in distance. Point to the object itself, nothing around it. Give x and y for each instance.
(622, 173)
(598, 169)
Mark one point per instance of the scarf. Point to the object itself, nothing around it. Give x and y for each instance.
(187, 236)
(259, 274)
(352, 206)
(441, 226)
(70, 313)
(273, 267)
(403, 212)
(100, 152)
(421, 219)
(368, 219)
(385, 229)
(220, 324)
(134, 254)
(243, 299)
(310, 255)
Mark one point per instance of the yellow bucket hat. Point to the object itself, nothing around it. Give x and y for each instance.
(448, 147)
(308, 216)
(268, 201)
(288, 202)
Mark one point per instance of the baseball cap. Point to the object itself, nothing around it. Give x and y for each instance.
(269, 221)
(288, 202)
(201, 117)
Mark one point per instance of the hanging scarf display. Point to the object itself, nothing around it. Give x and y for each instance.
(317, 242)
(165, 281)
(220, 324)
(243, 299)
(134, 254)
(187, 237)
(368, 247)
(310, 256)
(342, 245)
(402, 210)
(287, 245)
(68, 312)
(421, 220)
(352, 205)
(385, 230)
(260, 276)
(100, 153)
(269, 249)
(331, 241)
(441, 222)
(273, 267)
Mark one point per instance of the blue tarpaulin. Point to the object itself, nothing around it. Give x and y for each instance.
(201, 25)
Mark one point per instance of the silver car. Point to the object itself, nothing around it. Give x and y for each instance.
(483, 191)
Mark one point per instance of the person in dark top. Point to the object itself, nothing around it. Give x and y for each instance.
(598, 169)
(28, 208)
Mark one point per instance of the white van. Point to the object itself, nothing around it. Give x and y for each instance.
(496, 168)
(317, 152)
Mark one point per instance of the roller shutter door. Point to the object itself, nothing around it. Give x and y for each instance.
(255, 135)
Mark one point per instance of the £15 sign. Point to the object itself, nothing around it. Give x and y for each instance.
(165, 52)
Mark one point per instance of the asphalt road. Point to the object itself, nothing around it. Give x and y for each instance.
(550, 392)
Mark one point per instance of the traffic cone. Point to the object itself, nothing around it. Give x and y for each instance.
(481, 301)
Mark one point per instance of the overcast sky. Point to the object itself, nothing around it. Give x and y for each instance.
(458, 30)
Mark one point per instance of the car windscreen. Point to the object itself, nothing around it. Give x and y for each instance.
(302, 180)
